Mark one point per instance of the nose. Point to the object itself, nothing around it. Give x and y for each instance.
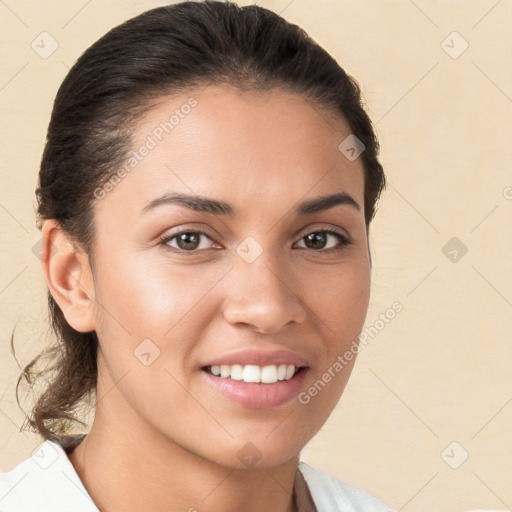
(263, 295)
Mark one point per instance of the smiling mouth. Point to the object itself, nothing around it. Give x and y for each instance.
(269, 374)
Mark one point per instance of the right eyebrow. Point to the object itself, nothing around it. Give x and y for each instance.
(196, 203)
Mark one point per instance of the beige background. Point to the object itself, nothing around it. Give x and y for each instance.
(440, 371)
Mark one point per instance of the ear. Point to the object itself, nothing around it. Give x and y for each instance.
(68, 276)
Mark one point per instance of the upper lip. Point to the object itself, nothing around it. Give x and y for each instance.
(258, 357)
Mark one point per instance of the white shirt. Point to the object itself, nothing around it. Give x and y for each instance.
(48, 482)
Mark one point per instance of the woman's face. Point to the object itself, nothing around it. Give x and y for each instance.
(254, 276)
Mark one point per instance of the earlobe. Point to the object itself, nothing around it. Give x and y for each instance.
(68, 276)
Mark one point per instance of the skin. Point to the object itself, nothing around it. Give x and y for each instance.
(262, 152)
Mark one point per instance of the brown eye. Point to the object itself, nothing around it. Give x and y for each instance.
(317, 240)
(186, 241)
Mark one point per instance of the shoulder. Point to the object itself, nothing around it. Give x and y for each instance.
(44, 482)
(331, 494)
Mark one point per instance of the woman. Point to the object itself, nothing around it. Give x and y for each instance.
(204, 197)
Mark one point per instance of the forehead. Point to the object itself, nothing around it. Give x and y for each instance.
(248, 147)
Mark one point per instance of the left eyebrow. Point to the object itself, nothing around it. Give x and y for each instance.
(216, 207)
(318, 204)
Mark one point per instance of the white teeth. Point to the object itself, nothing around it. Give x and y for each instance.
(289, 372)
(269, 374)
(237, 372)
(251, 373)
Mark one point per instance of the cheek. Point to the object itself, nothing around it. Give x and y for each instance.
(341, 301)
(341, 305)
(145, 294)
(146, 300)
(148, 327)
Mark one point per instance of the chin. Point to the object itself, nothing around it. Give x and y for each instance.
(258, 455)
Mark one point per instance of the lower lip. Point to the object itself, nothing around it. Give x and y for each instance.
(257, 395)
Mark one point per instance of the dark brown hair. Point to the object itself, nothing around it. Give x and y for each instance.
(162, 51)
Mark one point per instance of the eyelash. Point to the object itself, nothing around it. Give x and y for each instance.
(163, 241)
